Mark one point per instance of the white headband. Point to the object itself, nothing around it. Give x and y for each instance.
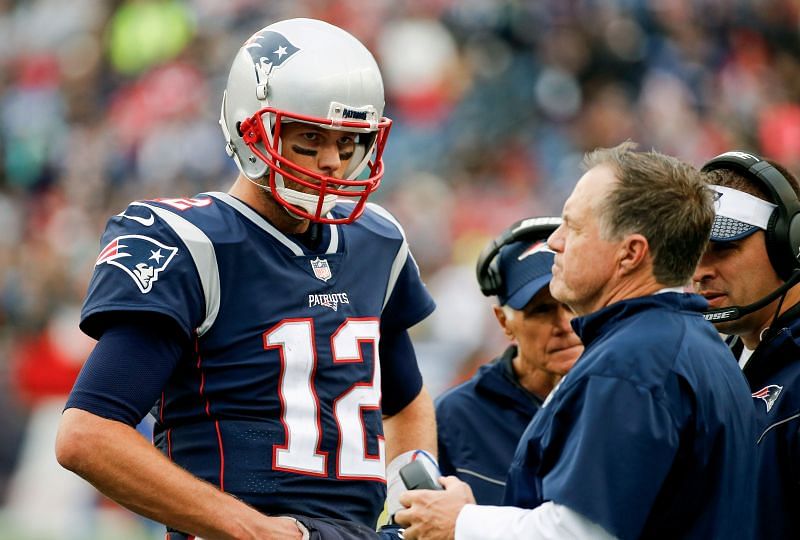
(741, 206)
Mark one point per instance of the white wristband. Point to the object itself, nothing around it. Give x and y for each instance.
(394, 484)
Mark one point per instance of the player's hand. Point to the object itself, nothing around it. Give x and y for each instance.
(431, 515)
(284, 527)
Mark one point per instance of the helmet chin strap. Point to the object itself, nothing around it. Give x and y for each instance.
(306, 201)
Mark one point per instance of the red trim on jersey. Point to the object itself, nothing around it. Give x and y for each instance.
(339, 359)
(169, 443)
(221, 457)
(203, 396)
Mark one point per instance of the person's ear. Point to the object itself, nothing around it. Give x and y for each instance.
(503, 321)
(633, 252)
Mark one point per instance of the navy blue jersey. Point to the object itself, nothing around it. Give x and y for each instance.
(773, 372)
(479, 423)
(278, 399)
(650, 434)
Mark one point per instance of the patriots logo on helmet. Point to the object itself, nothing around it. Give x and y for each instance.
(769, 394)
(141, 257)
(269, 48)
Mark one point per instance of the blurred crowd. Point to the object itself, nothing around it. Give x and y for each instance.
(493, 102)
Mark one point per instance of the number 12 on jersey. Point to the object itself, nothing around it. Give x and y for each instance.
(294, 339)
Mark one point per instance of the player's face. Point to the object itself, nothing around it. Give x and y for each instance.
(326, 151)
(584, 262)
(736, 274)
(544, 336)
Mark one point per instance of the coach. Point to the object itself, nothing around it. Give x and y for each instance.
(651, 433)
(750, 274)
(480, 421)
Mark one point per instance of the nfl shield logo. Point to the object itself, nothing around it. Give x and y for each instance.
(321, 269)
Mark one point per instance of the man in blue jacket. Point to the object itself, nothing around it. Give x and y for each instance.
(749, 274)
(480, 421)
(650, 434)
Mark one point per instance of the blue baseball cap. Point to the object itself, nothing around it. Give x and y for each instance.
(525, 268)
(738, 214)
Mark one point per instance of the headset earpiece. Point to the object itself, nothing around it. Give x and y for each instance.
(794, 240)
(488, 273)
(783, 230)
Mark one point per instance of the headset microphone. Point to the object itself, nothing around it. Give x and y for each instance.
(732, 313)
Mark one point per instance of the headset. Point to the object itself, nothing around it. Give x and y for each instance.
(783, 229)
(487, 270)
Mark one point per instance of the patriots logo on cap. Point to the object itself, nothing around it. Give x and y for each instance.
(537, 247)
(769, 394)
(269, 49)
(141, 257)
(717, 199)
(740, 155)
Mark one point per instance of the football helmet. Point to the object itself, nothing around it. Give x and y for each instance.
(305, 70)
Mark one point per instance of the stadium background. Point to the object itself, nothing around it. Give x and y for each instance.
(494, 102)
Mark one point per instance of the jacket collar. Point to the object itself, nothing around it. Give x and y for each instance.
(590, 327)
(499, 381)
(780, 347)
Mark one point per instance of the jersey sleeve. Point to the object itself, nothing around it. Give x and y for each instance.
(144, 266)
(127, 369)
(609, 448)
(408, 303)
(408, 299)
(401, 380)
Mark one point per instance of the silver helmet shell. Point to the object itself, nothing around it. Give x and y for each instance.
(305, 70)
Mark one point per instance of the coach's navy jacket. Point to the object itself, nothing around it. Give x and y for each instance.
(650, 435)
(773, 373)
(479, 424)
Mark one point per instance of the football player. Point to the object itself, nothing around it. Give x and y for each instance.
(265, 328)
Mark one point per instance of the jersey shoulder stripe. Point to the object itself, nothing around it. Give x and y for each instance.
(204, 256)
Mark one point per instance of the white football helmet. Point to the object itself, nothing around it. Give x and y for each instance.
(304, 70)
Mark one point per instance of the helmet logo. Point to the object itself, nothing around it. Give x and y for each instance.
(321, 269)
(269, 49)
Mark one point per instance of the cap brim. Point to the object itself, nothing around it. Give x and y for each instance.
(520, 299)
(727, 229)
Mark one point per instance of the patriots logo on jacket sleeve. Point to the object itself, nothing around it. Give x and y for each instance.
(141, 257)
(769, 394)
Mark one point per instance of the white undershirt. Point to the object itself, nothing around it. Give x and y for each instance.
(744, 357)
(549, 521)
